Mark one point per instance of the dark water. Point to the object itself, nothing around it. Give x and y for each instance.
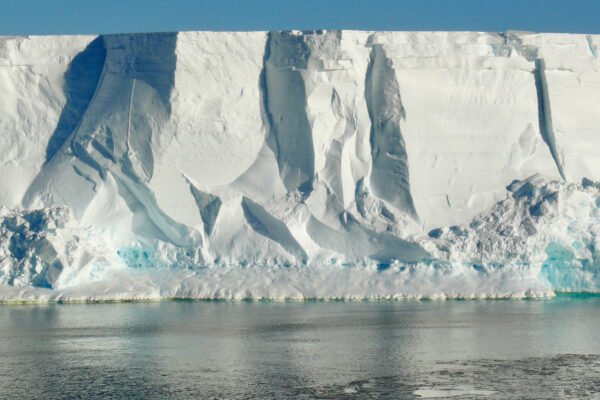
(466, 349)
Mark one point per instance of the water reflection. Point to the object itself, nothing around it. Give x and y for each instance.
(299, 349)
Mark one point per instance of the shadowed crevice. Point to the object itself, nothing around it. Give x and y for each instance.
(591, 47)
(208, 207)
(284, 103)
(265, 224)
(81, 80)
(544, 112)
(389, 179)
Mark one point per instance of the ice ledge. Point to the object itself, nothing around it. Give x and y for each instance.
(300, 283)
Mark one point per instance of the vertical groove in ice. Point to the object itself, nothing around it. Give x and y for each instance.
(591, 46)
(284, 100)
(544, 112)
(389, 178)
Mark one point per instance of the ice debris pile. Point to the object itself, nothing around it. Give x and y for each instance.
(299, 164)
(541, 224)
(47, 248)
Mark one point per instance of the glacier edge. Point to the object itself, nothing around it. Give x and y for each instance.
(235, 165)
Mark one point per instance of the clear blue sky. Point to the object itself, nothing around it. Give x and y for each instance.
(24, 17)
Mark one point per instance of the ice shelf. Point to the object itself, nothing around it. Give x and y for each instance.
(316, 164)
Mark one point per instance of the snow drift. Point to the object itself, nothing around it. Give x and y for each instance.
(322, 164)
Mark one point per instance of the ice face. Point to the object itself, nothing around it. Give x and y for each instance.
(460, 153)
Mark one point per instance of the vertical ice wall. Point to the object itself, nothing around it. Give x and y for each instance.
(472, 121)
(33, 98)
(294, 144)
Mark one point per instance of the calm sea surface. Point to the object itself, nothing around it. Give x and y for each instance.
(410, 349)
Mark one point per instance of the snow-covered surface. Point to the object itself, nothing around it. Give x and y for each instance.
(326, 164)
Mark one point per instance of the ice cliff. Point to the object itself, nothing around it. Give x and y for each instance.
(321, 164)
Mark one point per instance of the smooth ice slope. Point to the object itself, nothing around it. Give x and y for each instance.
(298, 164)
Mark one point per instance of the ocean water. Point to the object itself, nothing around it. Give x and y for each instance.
(407, 349)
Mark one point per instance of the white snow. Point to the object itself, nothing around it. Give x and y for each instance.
(292, 164)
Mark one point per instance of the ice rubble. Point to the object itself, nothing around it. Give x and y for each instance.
(550, 225)
(47, 248)
(329, 164)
